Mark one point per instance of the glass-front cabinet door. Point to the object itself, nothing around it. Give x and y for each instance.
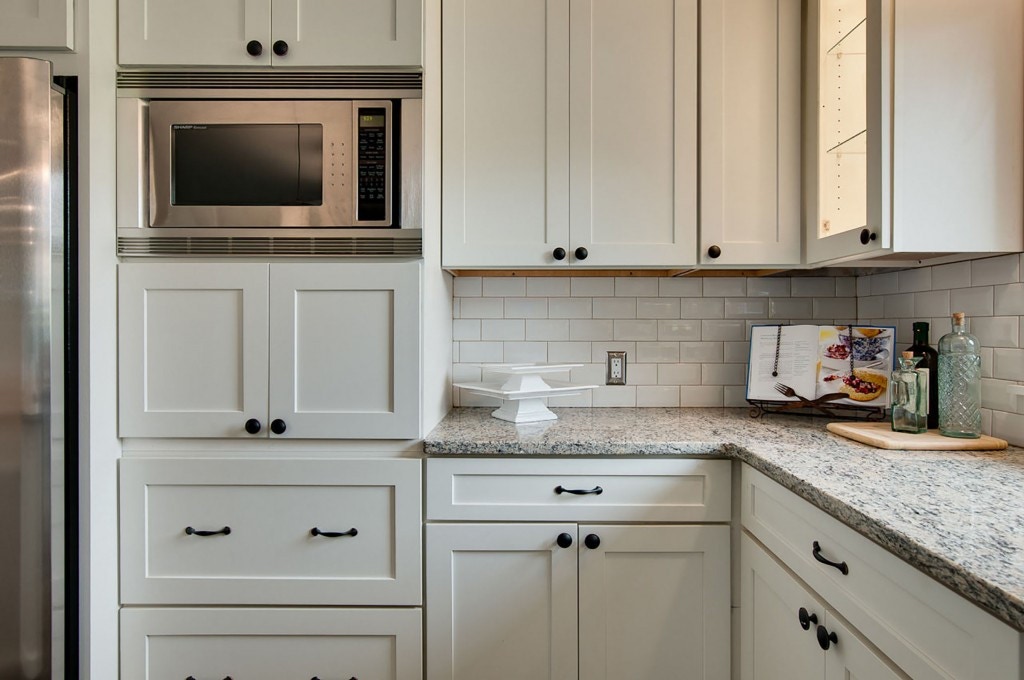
(848, 136)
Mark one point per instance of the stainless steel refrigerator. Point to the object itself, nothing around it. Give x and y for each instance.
(35, 220)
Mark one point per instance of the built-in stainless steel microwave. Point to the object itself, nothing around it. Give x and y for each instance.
(267, 176)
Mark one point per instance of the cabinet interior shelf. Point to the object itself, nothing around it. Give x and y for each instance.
(849, 145)
(846, 35)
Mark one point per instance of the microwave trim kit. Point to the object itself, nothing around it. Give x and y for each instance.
(255, 164)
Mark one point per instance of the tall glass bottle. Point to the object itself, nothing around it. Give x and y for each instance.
(959, 382)
(930, 365)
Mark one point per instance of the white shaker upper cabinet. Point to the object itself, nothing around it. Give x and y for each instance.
(38, 24)
(505, 132)
(569, 133)
(913, 137)
(750, 133)
(270, 33)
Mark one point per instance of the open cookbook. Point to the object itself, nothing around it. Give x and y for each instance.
(830, 364)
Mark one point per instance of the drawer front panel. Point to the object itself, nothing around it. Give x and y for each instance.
(262, 644)
(270, 526)
(667, 490)
(929, 631)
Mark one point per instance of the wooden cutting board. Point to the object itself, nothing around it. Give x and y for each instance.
(881, 436)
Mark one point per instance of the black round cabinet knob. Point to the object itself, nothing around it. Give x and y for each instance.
(581, 253)
(253, 426)
(806, 619)
(280, 48)
(277, 426)
(592, 541)
(714, 252)
(564, 540)
(826, 639)
(558, 253)
(866, 236)
(254, 48)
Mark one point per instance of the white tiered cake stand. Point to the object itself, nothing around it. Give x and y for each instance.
(524, 390)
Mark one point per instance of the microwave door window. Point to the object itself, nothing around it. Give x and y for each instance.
(247, 165)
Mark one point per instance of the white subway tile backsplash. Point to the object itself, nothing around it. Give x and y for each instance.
(465, 329)
(899, 306)
(657, 308)
(590, 329)
(746, 308)
(723, 374)
(715, 329)
(615, 395)
(592, 286)
(679, 329)
(702, 396)
(813, 286)
(524, 308)
(768, 287)
(659, 395)
(846, 286)
(502, 329)
(547, 329)
(642, 374)
(467, 286)
(1008, 364)
(701, 308)
(931, 303)
(657, 352)
(884, 284)
(995, 395)
(955, 275)
(628, 286)
(789, 308)
(702, 352)
(736, 396)
(735, 352)
(681, 286)
(582, 400)
(679, 374)
(995, 270)
(481, 352)
(466, 373)
(972, 301)
(483, 308)
(986, 361)
(526, 352)
(725, 286)
(614, 308)
(914, 280)
(835, 308)
(870, 307)
(547, 286)
(590, 374)
(1008, 426)
(1009, 299)
(568, 352)
(997, 331)
(633, 329)
(864, 286)
(504, 286)
(570, 308)
(599, 352)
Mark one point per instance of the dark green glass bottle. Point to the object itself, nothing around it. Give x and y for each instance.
(930, 361)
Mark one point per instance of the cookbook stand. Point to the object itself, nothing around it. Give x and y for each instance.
(760, 407)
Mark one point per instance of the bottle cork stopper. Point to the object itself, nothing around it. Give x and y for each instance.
(907, 355)
(958, 317)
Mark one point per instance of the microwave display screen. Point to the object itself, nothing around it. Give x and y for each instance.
(247, 164)
(373, 164)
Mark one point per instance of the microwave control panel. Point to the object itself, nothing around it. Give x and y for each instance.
(372, 181)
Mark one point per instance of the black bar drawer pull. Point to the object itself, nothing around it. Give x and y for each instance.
(315, 531)
(201, 532)
(597, 491)
(841, 566)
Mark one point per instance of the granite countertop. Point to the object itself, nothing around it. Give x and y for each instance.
(958, 516)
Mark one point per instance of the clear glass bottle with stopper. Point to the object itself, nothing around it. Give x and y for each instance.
(909, 396)
(959, 382)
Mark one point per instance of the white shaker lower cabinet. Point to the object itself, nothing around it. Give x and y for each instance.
(784, 629)
(868, 613)
(311, 350)
(511, 600)
(271, 644)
